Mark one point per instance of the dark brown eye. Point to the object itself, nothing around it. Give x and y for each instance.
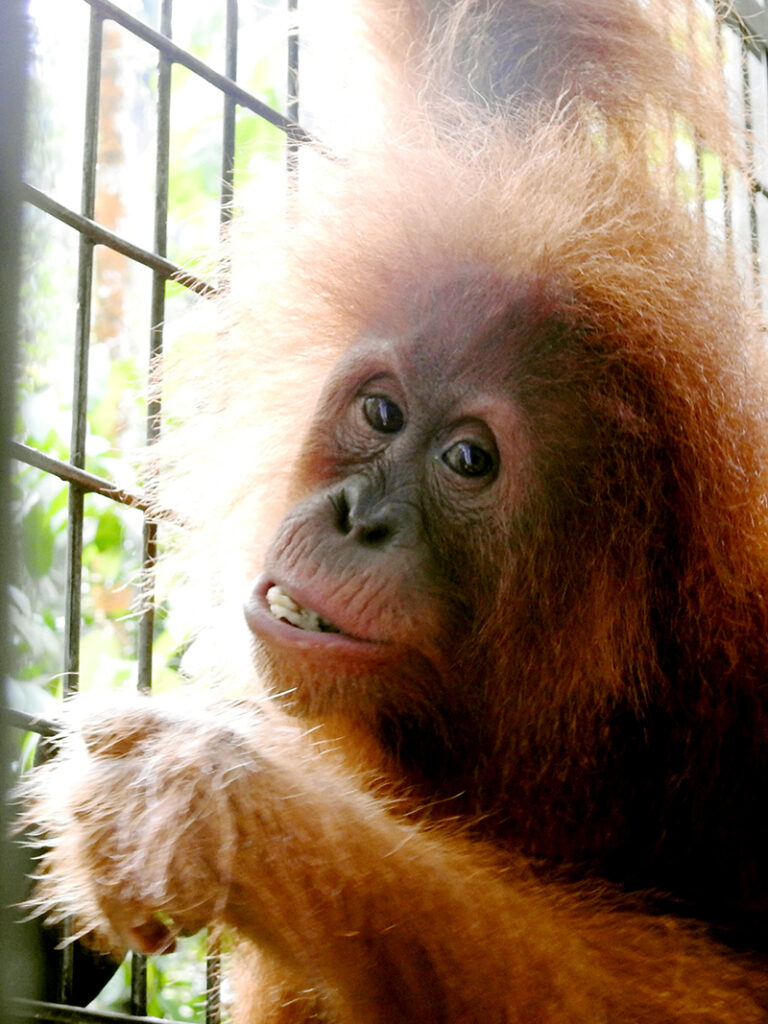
(383, 414)
(468, 459)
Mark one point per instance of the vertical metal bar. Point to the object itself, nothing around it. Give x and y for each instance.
(724, 172)
(699, 176)
(228, 134)
(157, 315)
(213, 984)
(230, 109)
(213, 952)
(82, 333)
(753, 222)
(138, 985)
(691, 16)
(20, 962)
(74, 563)
(727, 207)
(292, 107)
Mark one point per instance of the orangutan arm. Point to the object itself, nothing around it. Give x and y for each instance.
(171, 822)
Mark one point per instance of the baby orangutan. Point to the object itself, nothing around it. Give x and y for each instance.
(508, 759)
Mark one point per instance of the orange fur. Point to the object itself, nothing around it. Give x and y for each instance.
(472, 833)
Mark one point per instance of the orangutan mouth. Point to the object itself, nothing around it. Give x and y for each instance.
(284, 607)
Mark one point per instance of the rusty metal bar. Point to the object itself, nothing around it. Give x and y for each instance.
(84, 480)
(96, 233)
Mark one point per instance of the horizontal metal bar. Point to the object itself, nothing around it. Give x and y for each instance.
(180, 56)
(31, 1009)
(87, 481)
(103, 236)
(74, 475)
(31, 723)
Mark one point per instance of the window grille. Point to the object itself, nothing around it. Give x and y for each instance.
(101, 34)
(95, 237)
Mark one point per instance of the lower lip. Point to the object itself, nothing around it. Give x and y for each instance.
(267, 627)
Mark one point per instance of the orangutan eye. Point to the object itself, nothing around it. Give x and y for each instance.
(383, 414)
(468, 459)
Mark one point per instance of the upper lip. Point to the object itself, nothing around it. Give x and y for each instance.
(257, 608)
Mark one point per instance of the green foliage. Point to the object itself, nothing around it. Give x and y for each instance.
(176, 984)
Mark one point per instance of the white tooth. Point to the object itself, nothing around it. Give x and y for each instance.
(276, 595)
(295, 618)
(284, 607)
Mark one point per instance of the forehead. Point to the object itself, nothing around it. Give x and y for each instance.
(446, 358)
(458, 335)
(452, 336)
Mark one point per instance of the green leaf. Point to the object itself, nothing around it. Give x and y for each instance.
(110, 531)
(37, 540)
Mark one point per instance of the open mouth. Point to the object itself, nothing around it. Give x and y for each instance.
(283, 607)
(276, 616)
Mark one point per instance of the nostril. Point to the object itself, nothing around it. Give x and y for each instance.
(362, 514)
(341, 511)
(374, 535)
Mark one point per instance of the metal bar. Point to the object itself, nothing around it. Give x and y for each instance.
(754, 239)
(293, 108)
(181, 56)
(82, 336)
(19, 955)
(138, 985)
(96, 233)
(32, 1009)
(724, 172)
(45, 727)
(157, 318)
(228, 140)
(213, 984)
(74, 562)
(86, 481)
(230, 110)
(699, 182)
